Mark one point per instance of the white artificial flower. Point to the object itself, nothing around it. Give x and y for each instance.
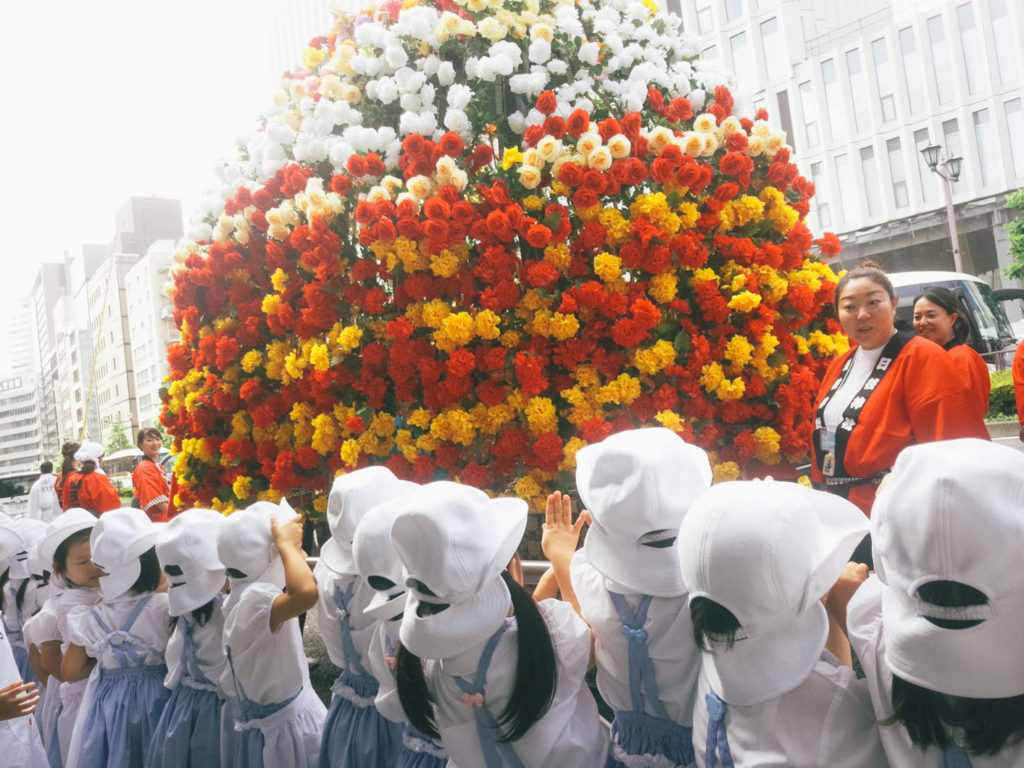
(339, 152)
(472, 67)
(282, 133)
(429, 65)
(588, 53)
(446, 73)
(410, 102)
(395, 56)
(370, 35)
(456, 120)
(459, 96)
(540, 51)
(427, 95)
(517, 122)
(387, 90)
(697, 98)
(557, 67)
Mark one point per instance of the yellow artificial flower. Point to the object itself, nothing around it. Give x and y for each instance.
(655, 358)
(312, 58)
(607, 267)
(444, 264)
(251, 360)
(456, 330)
(664, 287)
(745, 301)
(421, 418)
(350, 452)
(738, 352)
(349, 338)
(325, 434)
(434, 313)
(509, 339)
(541, 415)
(319, 358)
(766, 445)
(711, 377)
(563, 326)
(511, 156)
(725, 471)
(486, 323)
(669, 420)
(271, 304)
(558, 255)
(279, 280)
(532, 203)
(731, 390)
(242, 487)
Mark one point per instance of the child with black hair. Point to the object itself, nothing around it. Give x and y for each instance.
(119, 644)
(495, 677)
(757, 558)
(76, 581)
(937, 628)
(21, 601)
(190, 732)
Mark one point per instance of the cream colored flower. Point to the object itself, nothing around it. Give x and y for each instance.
(762, 129)
(693, 143)
(549, 148)
(491, 29)
(710, 144)
(420, 187)
(659, 138)
(445, 168)
(600, 159)
(377, 194)
(298, 90)
(705, 123)
(774, 143)
(731, 125)
(541, 32)
(533, 157)
(529, 176)
(350, 93)
(619, 146)
(476, 6)
(330, 87)
(755, 145)
(459, 179)
(392, 184)
(588, 142)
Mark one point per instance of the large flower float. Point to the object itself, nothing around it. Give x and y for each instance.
(468, 239)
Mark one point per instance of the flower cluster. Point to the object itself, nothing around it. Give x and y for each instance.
(471, 238)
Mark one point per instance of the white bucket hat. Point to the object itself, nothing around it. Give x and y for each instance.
(454, 542)
(119, 538)
(187, 549)
(767, 551)
(638, 485)
(244, 543)
(352, 494)
(89, 452)
(953, 511)
(10, 541)
(30, 532)
(377, 560)
(58, 531)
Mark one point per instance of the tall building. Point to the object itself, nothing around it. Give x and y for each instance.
(150, 327)
(47, 289)
(20, 427)
(141, 221)
(17, 348)
(861, 88)
(77, 410)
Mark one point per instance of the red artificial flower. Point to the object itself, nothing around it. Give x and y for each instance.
(577, 123)
(546, 102)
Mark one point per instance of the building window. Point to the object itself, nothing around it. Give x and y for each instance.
(869, 171)
(1002, 37)
(741, 63)
(785, 115)
(1015, 132)
(897, 173)
(833, 100)
(733, 9)
(924, 176)
(940, 60)
(985, 139)
(951, 138)
(704, 20)
(771, 40)
(911, 70)
(821, 198)
(710, 53)
(810, 110)
(883, 80)
(859, 90)
(970, 45)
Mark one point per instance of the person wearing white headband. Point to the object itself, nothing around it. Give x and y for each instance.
(20, 741)
(638, 486)
(66, 547)
(382, 570)
(279, 716)
(937, 629)
(189, 733)
(21, 601)
(497, 678)
(756, 558)
(355, 733)
(119, 645)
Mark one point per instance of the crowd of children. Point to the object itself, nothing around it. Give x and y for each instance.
(723, 623)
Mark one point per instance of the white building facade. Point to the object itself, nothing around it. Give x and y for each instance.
(21, 450)
(861, 88)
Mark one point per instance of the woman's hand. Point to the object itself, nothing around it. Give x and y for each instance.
(18, 699)
(561, 535)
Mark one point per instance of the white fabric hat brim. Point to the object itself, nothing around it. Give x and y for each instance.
(10, 542)
(841, 528)
(384, 607)
(120, 580)
(979, 662)
(339, 558)
(510, 520)
(65, 526)
(458, 628)
(644, 570)
(197, 592)
(771, 664)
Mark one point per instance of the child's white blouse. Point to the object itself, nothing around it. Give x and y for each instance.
(42, 628)
(152, 628)
(568, 735)
(271, 666)
(867, 637)
(68, 599)
(361, 625)
(675, 656)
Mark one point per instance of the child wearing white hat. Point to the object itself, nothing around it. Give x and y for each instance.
(119, 645)
(279, 716)
(638, 486)
(189, 734)
(21, 600)
(497, 678)
(382, 570)
(75, 579)
(355, 733)
(38, 628)
(937, 629)
(756, 558)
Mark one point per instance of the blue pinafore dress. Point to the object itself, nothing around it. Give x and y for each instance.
(418, 749)
(189, 732)
(126, 701)
(641, 740)
(355, 733)
(16, 635)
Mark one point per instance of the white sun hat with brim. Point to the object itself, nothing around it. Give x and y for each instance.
(351, 496)
(953, 511)
(187, 550)
(767, 551)
(62, 527)
(10, 541)
(638, 486)
(89, 451)
(377, 560)
(119, 538)
(31, 532)
(245, 544)
(454, 542)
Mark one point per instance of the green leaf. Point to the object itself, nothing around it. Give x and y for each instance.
(682, 342)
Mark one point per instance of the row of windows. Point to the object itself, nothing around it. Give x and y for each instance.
(855, 207)
(22, 423)
(32, 434)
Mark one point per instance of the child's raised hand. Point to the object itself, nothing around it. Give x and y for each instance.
(287, 534)
(18, 699)
(560, 534)
(849, 582)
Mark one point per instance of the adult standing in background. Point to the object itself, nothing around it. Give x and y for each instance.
(937, 318)
(891, 390)
(90, 488)
(42, 497)
(67, 471)
(149, 478)
(1017, 371)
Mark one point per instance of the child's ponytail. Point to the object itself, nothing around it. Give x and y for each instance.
(413, 692)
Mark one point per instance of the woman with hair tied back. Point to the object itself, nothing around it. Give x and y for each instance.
(891, 390)
(937, 318)
(937, 628)
(90, 488)
(67, 471)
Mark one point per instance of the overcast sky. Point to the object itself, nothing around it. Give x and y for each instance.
(111, 98)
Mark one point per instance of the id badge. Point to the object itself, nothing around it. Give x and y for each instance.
(828, 441)
(828, 465)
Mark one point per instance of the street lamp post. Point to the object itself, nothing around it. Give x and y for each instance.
(949, 170)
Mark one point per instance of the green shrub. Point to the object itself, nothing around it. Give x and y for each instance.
(1001, 403)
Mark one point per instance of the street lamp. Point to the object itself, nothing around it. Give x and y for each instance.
(949, 170)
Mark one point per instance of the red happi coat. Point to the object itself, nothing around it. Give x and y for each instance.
(1017, 371)
(921, 398)
(973, 369)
